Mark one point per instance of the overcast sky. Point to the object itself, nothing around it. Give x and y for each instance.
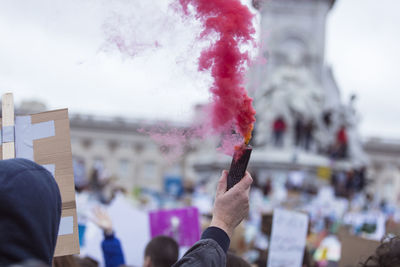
(56, 51)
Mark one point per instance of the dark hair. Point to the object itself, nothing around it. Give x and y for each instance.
(234, 261)
(386, 255)
(163, 251)
(65, 261)
(87, 262)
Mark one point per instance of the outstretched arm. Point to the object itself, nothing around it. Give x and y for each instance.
(230, 208)
(111, 246)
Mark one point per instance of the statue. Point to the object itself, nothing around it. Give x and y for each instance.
(291, 92)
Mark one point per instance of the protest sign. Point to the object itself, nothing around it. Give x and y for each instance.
(130, 226)
(266, 223)
(173, 185)
(288, 239)
(355, 249)
(181, 224)
(392, 228)
(45, 139)
(324, 173)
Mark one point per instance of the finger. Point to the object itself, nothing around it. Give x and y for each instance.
(245, 183)
(221, 188)
(93, 220)
(248, 191)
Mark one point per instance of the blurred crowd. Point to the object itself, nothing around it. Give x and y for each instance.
(304, 132)
(337, 210)
(236, 224)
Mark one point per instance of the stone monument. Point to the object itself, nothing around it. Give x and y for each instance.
(297, 86)
(302, 123)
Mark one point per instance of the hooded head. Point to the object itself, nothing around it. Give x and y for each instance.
(30, 211)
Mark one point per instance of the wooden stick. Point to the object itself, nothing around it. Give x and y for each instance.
(8, 120)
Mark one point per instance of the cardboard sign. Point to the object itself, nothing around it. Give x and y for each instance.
(288, 239)
(45, 139)
(392, 228)
(181, 224)
(173, 185)
(266, 223)
(324, 173)
(355, 249)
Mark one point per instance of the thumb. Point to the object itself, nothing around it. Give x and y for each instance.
(222, 184)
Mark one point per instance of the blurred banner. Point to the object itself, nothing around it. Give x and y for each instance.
(181, 224)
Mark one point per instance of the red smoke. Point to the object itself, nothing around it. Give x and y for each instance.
(232, 22)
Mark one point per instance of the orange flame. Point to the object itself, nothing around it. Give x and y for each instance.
(248, 135)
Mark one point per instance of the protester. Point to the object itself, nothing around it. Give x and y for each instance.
(327, 118)
(298, 131)
(308, 134)
(30, 208)
(72, 261)
(111, 246)
(161, 251)
(230, 208)
(86, 262)
(279, 128)
(342, 140)
(69, 261)
(386, 255)
(234, 261)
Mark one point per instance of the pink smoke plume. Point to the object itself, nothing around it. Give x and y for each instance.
(231, 107)
(227, 25)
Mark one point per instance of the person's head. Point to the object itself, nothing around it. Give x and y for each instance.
(30, 210)
(386, 255)
(87, 262)
(234, 261)
(161, 251)
(69, 261)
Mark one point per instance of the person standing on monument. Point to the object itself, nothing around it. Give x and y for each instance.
(298, 130)
(308, 134)
(341, 139)
(279, 128)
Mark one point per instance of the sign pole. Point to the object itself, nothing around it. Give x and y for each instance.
(8, 126)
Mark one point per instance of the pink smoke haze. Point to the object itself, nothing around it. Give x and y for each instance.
(122, 33)
(228, 31)
(172, 141)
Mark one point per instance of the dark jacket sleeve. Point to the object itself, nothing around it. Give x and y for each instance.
(112, 251)
(210, 251)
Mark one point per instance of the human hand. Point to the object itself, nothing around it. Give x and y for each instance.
(102, 220)
(232, 206)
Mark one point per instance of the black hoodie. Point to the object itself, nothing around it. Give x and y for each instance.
(30, 211)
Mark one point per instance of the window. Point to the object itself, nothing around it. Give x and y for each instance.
(98, 164)
(123, 168)
(388, 189)
(149, 170)
(79, 171)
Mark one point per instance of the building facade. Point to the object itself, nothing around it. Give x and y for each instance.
(384, 169)
(118, 148)
(297, 84)
(135, 160)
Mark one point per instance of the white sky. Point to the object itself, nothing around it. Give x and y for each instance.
(54, 51)
(363, 42)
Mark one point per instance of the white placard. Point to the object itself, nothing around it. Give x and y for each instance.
(131, 226)
(288, 239)
(66, 226)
